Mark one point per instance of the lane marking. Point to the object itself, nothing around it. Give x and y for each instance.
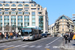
(2, 46)
(8, 48)
(26, 42)
(56, 47)
(17, 45)
(47, 46)
(39, 46)
(32, 46)
(25, 46)
(52, 41)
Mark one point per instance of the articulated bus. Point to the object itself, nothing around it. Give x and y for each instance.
(30, 33)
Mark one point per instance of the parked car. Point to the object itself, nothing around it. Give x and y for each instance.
(44, 35)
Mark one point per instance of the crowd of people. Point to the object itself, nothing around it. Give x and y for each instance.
(68, 37)
(10, 35)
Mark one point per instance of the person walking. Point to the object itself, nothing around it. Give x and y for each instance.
(16, 35)
(69, 37)
(66, 37)
(0, 35)
(11, 35)
(19, 34)
(6, 36)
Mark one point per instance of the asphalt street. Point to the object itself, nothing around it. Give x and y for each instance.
(48, 43)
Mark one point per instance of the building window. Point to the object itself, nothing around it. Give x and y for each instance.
(6, 5)
(20, 12)
(26, 17)
(33, 13)
(13, 17)
(13, 5)
(26, 8)
(26, 20)
(32, 5)
(38, 5)
(0, 12)
(20, 9)
(6, 20)
(19, 17)
(33, 8)
(62, 29)
(39, 12)
(6, 9)
(13, 9)
(0, 4)
(33, 24)
(7, 2)
(63, 17)
(20, 2)
(20, 5)
(26, 12)
(26, 5)
(13, 13)
(1, 1)
(6, 17)
(38, 8)
(41, 22)
(33, 16)
(33, 20)
(6, 12)
(0, 9)
(0, 17)
(13, 20)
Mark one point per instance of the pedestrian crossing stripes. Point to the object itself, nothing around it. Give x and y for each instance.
(26, 46)
(32, 46)
(38, 46)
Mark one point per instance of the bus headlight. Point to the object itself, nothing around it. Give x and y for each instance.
(30, 37)
(25, 37)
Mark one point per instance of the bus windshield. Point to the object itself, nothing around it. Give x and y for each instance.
(25, 33)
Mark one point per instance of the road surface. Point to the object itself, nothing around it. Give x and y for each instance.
(48, 43)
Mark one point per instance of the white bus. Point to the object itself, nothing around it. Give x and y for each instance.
(30, 33)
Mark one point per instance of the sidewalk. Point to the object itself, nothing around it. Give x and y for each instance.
(68, 46)
(9, 40)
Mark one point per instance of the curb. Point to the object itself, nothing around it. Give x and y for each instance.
(4, 41)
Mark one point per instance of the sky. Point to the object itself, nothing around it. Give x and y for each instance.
(57, 8)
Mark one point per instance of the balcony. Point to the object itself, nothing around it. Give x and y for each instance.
(20, 7)
(13, 6)
(6, 7)
(1, 6)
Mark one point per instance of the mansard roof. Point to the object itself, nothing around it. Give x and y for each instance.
(63, 17)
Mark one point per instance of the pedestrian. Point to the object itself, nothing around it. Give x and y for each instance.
(0, 35)
(6, 35)
(11, 35)
(19, 34)
(69, 37)
(73, 37)
(16, 35)
(66, 37)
